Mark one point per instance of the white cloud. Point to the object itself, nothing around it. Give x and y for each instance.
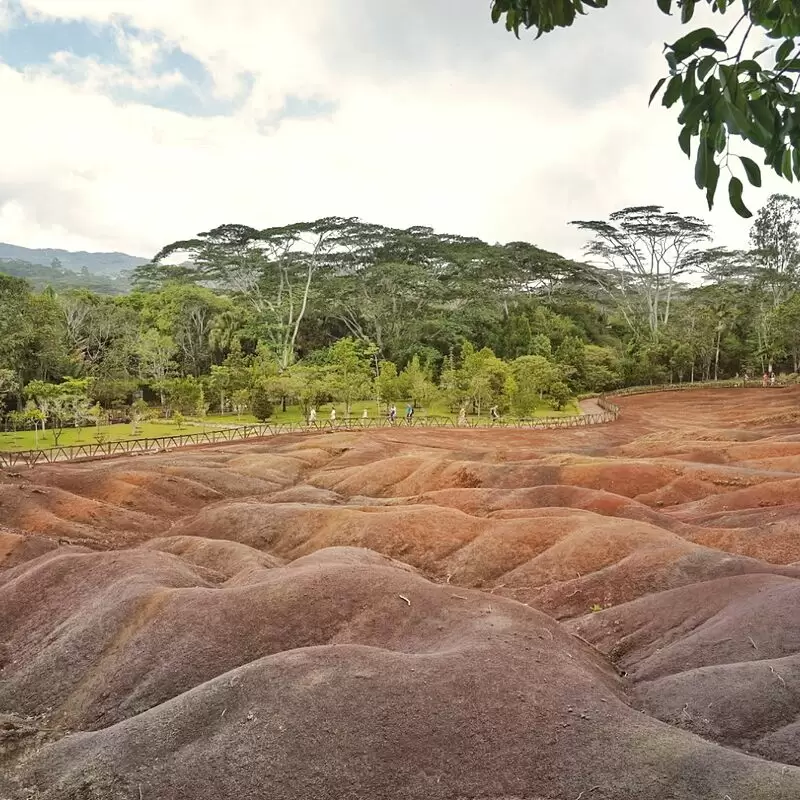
(457, 145)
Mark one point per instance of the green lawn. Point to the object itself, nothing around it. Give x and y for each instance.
(294, 414)
(28, 440)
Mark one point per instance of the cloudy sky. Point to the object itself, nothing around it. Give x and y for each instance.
(127, 124)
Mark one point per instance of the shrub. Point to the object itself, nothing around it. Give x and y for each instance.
(261, 405)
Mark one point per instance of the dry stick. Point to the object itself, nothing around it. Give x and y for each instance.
(593, 789)
(141, 796)
(403, 597)
(777, 675)
(750, 639)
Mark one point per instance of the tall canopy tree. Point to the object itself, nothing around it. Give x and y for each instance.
(644, 250)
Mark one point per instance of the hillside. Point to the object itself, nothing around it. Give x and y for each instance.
(40, 277)
(605, 613)
(95, 263)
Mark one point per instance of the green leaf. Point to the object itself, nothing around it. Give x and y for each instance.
(762, 111)
(785, 50)
(786, 165)
(714, 43)
(689, 43)
(656, 90)
(665, 5)
(685, 140)
(687, 11)
(707, 63)
(712, 177)
(735, 188)
(752, 169)
(673, 91)
(689, 89)
(701, 164)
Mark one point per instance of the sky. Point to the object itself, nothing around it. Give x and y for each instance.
(129, 124)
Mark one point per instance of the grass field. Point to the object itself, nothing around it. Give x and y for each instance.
(31, 440)
(294, 413)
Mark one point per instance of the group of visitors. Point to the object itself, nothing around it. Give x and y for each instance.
(392, 416)
(494, 414)
(312, 414)
(767, 379)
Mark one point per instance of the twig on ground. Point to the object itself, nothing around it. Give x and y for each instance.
(141, 796)
(403, 597)
(777, 675)
(460, 596)
(750, 639)
(588, 791)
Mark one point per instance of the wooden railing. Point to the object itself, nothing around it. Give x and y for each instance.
(610, 412)
(162, 444)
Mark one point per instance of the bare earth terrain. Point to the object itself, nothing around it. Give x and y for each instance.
(409, 614)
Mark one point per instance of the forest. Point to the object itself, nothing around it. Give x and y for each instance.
(339, 311)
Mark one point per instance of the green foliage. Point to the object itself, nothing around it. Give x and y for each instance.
(397, 316)
(533, 377)
(350, 375)
(728, 86)
(261, 405)
(183, 395)
(416, 383)
(387, 386)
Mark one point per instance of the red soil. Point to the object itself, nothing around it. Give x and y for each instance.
(409, 614)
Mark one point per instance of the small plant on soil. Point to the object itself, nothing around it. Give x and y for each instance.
(595, 608)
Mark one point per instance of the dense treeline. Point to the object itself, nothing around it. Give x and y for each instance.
(339, 310)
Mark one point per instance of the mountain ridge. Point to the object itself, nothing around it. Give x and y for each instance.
(112, 263)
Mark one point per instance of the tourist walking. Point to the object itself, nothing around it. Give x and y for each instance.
(365, 414)
(462, 416)
(333, 415)
(409, 413)
(393, 413)
(312, 416)
(494, 414)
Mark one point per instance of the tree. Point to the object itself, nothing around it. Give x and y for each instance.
(182, 394)
(644, 251)
(351, 373)
(533, 377)
(387, 386)
(272, 270)
(416, 383)
(719, 80)
(8, 382)
(601, 368)
(59, 403)
(155, 352)
(775, 237)
(241, 401)
(485, 376)
(261, 404)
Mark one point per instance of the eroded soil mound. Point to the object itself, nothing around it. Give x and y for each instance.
(608, 612)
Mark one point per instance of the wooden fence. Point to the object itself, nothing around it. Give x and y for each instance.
(161, 444)
(610, 412)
